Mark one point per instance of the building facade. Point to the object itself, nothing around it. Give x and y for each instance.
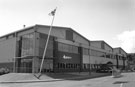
(121, 57)
(67, 51)
(131, 61)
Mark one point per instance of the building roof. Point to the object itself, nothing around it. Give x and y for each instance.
(120, 49)
(103, 42)
(47, 26)
(64, 28)
(23, 29)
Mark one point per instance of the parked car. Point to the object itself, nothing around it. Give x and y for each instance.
(104, 69)
(4, 71)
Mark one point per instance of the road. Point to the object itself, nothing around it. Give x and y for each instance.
(126, 80)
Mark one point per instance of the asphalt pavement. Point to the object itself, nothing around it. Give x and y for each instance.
(125, 80)
(49, 77)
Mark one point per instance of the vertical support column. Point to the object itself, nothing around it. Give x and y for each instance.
(18, 65)
(123, 63)
(35, 65)
(81, 56)
(117, 60)
(35, 60)
(17, 60)
(16, 53)
(55, 55)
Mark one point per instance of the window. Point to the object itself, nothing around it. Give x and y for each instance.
(60, 46)
(42, 43)
(67, 48)
(67, 65)
(85, 51)
(87, 66)
(69, 35)
(72, 66)
(111, 56)
(115, 56)
(64, 65)
(97, 53)
(75, 49)
(77, 66)
(120, 57)
(58, 65)
(93, 53)
(27, 44)
(108, 55)
(61, 65)
(100, 54)
(84, 66)
(92, 66)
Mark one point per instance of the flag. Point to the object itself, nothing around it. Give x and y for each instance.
(52, 13)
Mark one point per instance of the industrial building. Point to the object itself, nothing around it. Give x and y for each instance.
(67, 51)
(121, 57)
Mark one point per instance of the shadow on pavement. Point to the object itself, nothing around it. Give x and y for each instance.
(119, 82)
(49, 77)
(68, 76)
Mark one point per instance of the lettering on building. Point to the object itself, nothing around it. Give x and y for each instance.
(66, 57)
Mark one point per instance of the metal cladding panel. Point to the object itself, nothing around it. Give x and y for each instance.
(100, 60)
(64, 57)
(123, 53)
(86, 59)
(60, 33)
(116, 51)
(79, 39)
(120, 51)
(67, 42)
(7, 50)
(31, 30)
(97, 60)
(108, 48)
(96, 44)
(40, 45)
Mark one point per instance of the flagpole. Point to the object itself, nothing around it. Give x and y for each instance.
(14, 64)
(44, 54)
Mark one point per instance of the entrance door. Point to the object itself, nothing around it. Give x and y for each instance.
(48, 65)
(26, 65)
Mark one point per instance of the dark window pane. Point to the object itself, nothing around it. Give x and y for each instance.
(67, 48)
(69, 35)
(27, 44)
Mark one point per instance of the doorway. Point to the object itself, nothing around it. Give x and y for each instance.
(47, 66)
(24, 65)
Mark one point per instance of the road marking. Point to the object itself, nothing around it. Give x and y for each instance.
(121, 84)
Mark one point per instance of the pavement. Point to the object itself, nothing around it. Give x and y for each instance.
(49, 77)
(83, 79)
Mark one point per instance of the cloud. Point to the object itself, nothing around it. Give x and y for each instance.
(127, 39)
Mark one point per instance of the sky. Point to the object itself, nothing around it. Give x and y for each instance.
(110, 20)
